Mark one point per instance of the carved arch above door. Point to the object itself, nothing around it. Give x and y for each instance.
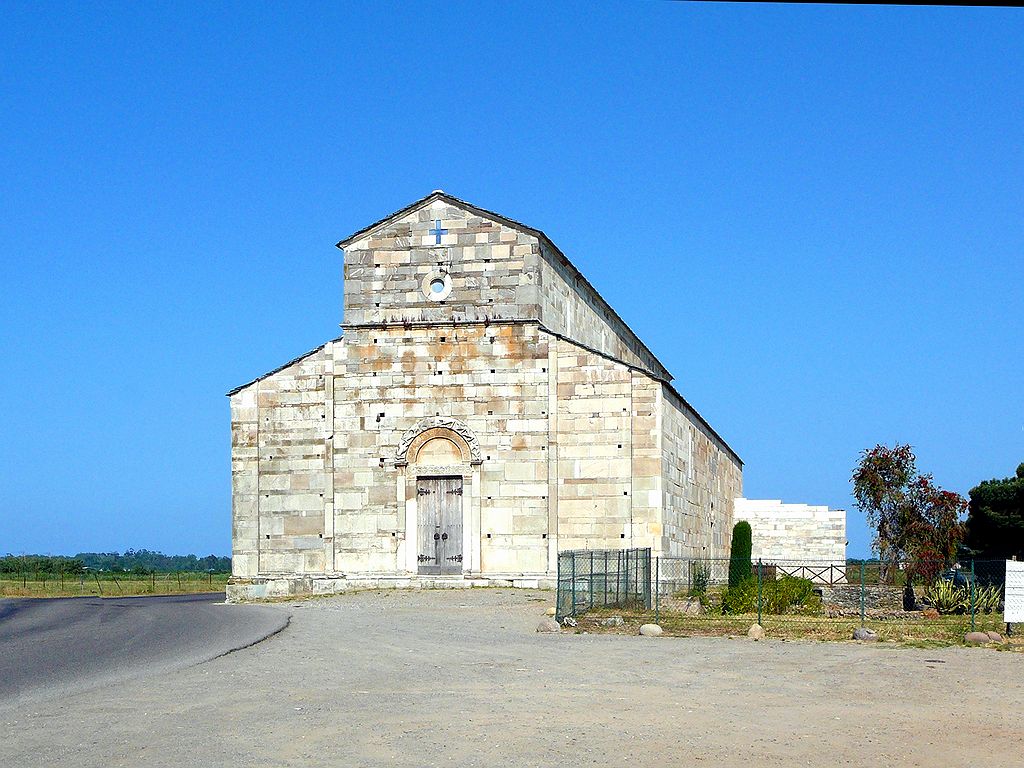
(434, 427)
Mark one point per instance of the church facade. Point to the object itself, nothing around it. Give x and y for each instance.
(483, 409)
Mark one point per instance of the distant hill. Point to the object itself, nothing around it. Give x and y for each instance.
(134, 560)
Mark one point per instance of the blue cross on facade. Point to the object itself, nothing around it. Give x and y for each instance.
(437, 231)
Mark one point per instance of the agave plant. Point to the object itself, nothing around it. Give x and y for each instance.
(987, 599)
(946, 597)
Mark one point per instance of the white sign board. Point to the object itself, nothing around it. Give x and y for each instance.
(1013, 609)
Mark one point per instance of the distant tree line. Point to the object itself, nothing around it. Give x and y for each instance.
(131, 560)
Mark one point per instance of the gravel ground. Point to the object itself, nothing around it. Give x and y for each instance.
(460, 678)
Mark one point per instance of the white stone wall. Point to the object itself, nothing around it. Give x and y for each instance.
(280, 458)
(794, 532)
(608, 472)
(494, 379)
(701, 479)
(492, 270)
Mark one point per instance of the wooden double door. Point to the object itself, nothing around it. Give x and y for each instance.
(439, 519)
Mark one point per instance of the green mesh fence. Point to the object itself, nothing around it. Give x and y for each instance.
(812, 599)
(603, 578)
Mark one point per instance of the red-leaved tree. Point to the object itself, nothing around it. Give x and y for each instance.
(914, 519)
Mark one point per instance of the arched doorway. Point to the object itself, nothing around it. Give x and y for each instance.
(440, 458)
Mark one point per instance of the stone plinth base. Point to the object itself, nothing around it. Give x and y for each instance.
(240, 590)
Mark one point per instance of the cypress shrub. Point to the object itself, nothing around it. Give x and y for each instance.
(740, 568)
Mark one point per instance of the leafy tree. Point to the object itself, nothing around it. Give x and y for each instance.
(913, 518)
(739, 559)
(995, 522)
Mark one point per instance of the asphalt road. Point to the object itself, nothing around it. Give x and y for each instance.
(57, 647)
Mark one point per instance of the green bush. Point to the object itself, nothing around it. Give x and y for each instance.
(778, 596)
(700, 577)
(739, 560)
(741, 598)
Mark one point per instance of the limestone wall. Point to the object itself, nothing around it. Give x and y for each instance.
(494, 272)
(701, 479)
(279, 477)
(792, 532)
(492, 378)
(608, 447)
(491, 270)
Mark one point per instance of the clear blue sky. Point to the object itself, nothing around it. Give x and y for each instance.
(813, 215)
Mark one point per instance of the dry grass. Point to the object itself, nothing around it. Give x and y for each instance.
(945, 630)
(111, 585)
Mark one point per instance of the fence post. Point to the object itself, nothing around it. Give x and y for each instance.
(972, 595)
(625, 584)
(590, 581)
(760, 580)
(862, 593)
(657, 591)
(604, 599)
(572, 588)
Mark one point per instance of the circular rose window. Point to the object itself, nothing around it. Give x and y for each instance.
(437, 286)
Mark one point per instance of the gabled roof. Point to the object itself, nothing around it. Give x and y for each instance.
(438, 194)
(279, 368)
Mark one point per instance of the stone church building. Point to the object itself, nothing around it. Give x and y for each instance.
(483, 409)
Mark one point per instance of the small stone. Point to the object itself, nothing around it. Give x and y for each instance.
(548, 624)
(994, 637)
(611, 621)
(549, 612)
(650, 630)
(865, 635)
(756, 632)
(976, 638)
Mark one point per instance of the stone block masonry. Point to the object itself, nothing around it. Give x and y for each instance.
(473, 353)
(792, 533)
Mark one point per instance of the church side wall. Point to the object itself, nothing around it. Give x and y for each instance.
(569, 307)
(608, 454)
(701, 480)
(279, 478)
(492, 378)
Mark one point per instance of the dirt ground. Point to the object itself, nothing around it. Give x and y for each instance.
(460, 678)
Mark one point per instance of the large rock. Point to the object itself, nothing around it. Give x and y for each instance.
(865, 635)
(548, 624)
(650, 630)
(611, 621)
(756, 632)
(976, 638)
(692, 607)
(994, 637)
